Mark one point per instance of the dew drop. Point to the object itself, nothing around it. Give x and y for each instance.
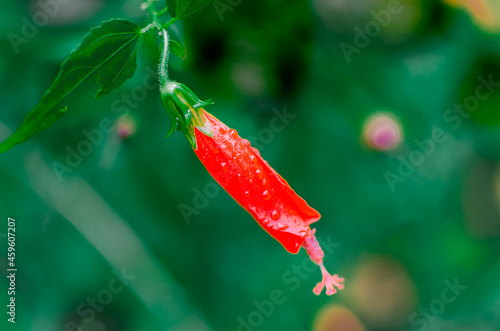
(265, 221)
(259, 174)
(224, 166)
(222, 131)
(256, 151)
(281, 226)
(253, 158)
(246, 142)
(233, 133)
(275, 215)
(266, 195)
(247, 193)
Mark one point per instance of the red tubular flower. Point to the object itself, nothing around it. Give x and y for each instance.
(257, 187)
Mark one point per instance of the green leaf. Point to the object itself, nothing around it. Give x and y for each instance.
(183, 9)
(107, 55)
(177, 48)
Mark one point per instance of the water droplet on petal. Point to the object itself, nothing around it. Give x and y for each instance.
(222, 131)
(233, 133)
(275, 215)
(256, 151)
(259, 174)
(265, 221)
(281, 226)
(224, 166)
(266, 195)
(247, 193)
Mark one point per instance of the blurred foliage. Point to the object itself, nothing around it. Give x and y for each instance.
(114, 220)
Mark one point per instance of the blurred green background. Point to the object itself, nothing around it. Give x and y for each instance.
(413, 223)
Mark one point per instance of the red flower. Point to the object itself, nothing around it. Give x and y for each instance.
(257, 187)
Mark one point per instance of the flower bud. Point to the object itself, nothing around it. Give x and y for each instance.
(126, 126)
(382, 131)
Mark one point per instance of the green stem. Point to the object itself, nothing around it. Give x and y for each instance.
(154, 17)
(164, 58)
(153, 14)
(162, 12)
(169, 23)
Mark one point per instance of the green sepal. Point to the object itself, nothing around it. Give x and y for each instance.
(185, 110)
